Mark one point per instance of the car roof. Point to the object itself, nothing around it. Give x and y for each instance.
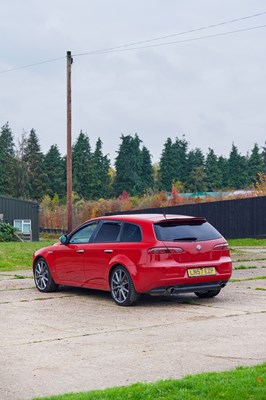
(152, 218)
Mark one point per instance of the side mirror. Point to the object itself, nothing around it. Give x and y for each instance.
(63, 239)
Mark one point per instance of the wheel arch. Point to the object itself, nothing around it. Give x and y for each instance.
(125, 262)
(118, 264)
(39, 257)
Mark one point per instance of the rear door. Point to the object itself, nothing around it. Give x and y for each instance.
(98, 254)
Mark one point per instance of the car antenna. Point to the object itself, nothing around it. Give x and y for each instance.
(164, 215)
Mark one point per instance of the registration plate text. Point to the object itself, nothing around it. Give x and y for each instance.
(204, 271)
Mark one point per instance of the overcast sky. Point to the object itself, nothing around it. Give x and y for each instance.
(212, 90)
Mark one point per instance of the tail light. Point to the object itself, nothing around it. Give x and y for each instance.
(221, 246)
(165, 250)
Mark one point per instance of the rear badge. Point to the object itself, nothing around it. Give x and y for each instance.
(198, 247)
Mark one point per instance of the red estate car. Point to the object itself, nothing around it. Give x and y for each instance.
(140, 253)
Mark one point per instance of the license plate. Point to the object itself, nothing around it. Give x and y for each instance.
(205, 271)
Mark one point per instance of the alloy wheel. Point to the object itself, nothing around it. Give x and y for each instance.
(120, 286)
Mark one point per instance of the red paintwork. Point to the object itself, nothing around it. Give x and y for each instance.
(91, 269)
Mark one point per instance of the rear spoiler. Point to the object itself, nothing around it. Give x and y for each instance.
(182, 220)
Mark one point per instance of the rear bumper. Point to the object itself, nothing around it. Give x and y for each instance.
(190, 288)
(153, 278)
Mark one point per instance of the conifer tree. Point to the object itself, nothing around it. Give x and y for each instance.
(54, 168)
(255, 165)
(197, 179)
(21, 189)
(34, 159)
(195, 160)
(263, 159)
(180, 147)
(146, 170)
(100, 179)
(82, 165)
(173, 163)
(128, 166)
(7, 161)
(213, 173)
(167, 166)
(237, 164)
(223, 168)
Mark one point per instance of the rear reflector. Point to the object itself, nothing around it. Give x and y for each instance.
(165, 250)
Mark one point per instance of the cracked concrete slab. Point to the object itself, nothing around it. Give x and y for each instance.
(76, 339)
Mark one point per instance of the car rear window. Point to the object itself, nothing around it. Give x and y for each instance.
(194, 230)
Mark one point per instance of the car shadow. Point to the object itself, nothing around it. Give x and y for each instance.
(145, 300)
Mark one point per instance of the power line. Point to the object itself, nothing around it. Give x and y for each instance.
(129, 46)
(172, 35)
(33, 65)
(176, 41)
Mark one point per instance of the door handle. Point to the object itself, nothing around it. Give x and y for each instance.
(108, 251)
(80, 251)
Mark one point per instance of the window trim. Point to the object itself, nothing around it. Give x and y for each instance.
(122, 231)
(83, 227)
(110, 222)
(24, 222)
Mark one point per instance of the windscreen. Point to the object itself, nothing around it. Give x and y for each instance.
(189, 230)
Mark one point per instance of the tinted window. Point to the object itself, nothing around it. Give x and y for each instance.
(84, 234)
(108, 232)
(131, 233)
(185, 231)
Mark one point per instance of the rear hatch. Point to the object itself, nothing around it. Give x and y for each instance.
(190, 240)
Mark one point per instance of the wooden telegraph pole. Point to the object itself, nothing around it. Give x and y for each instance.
(69, 145)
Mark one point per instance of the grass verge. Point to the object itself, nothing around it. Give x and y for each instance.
(243, 383)
(256, 278)
(18, 255)
(247, 242)
(244, 267)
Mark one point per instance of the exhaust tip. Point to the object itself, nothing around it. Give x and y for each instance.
(171, 290)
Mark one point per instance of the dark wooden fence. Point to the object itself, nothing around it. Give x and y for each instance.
(241, 218)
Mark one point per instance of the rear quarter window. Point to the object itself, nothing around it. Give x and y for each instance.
(131, 233)
(173, 231)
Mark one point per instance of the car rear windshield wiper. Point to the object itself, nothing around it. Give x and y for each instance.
(185, 238)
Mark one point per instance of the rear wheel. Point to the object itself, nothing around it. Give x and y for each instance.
(207, 294)
(42, 276)
(122, 287)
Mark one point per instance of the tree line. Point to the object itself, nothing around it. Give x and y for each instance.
(26, 172)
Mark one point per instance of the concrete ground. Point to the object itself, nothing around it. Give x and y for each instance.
(76, 340)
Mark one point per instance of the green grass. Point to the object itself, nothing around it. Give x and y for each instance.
(256, 278)
(18, 255)
(245, 267)
(243, 383)
(247, 242)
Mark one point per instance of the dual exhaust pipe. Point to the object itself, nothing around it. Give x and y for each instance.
(175, 290)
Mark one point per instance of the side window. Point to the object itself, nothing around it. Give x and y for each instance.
(84, 234)
(23, 225)
(131, 233)
(108, 232)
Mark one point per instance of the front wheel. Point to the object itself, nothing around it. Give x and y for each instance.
(208, 293)
(42, 276)
(122, 287)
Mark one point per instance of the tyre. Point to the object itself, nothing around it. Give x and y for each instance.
(207, 294)
(122, 287)
(42, 276)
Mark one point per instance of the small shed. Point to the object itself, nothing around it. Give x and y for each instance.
(23, 214)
